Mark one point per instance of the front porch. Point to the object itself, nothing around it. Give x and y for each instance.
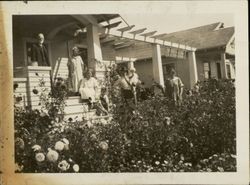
(103, 40)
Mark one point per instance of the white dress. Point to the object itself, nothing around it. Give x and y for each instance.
(88, 88)
(77, 75)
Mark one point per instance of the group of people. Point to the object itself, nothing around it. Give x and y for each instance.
(83, 83)
(132, 88)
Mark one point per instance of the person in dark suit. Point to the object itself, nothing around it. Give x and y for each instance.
(39, 53)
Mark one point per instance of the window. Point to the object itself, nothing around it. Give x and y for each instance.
(207, 70)
(228, 71)
(218, 70)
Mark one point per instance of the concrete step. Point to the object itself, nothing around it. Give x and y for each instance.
(76, 108)
(78, 116)
(73, 100)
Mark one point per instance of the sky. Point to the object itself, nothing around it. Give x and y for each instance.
(168, 24)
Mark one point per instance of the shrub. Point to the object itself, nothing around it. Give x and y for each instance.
(155, 136)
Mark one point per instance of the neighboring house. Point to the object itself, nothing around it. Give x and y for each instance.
(214, 45)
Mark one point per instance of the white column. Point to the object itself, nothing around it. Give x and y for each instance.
(157, 64)
(193, 75)
(223, 65)
(94, 47)
(131, 65)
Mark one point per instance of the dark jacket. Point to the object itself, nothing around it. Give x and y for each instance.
(40, 55)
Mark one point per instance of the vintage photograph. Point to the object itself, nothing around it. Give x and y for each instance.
(119, 93)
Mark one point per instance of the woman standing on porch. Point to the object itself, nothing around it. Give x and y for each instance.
(77, 68)
(174, 88)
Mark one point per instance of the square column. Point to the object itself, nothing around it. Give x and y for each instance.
(157, 64)
(223, 65)
(193, 75)
(94, 47)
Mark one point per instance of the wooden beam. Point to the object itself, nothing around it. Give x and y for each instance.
(159, 36)
(113, 25)
(124, 46)
(148, 34)
(127, 28)
(138, 31)
(108, 39)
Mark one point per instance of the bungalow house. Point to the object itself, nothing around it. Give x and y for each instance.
(105, 39)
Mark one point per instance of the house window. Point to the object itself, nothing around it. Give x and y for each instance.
(228, 71)
(207, 70)
(218, 70)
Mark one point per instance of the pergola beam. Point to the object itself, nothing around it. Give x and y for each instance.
(138, 31)
(148, 34)
(148, 40)
(113, 25)
(127, 28)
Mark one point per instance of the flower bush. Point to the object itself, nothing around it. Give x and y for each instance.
(197, 136)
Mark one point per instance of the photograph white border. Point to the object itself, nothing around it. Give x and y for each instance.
(168, 8)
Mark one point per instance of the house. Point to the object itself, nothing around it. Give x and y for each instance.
(102, 38)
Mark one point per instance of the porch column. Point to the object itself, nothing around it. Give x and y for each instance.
(193, 75)
(131, 65)
(94, 47)
(157, 64)
(223, 65)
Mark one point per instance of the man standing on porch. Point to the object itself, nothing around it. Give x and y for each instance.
(39, 53)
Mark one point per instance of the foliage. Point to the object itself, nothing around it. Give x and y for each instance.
(199, 135)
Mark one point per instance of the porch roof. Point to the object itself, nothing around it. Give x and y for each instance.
(203, 37)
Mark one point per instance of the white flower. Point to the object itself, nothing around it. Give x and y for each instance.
(63, 165)
(157, 162)
(59, 145)
(103, 145)
(89, 124)
(57, 119)
(52, 155)
(103, 121)
(168, 120)
(42, 114)
(40, 157)
(76, 168)
(65, 141)
(36, 148)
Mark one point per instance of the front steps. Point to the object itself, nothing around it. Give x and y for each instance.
(76, 111)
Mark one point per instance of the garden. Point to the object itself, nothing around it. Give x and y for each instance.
(197, 136)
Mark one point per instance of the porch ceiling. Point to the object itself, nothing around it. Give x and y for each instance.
(30, 25)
